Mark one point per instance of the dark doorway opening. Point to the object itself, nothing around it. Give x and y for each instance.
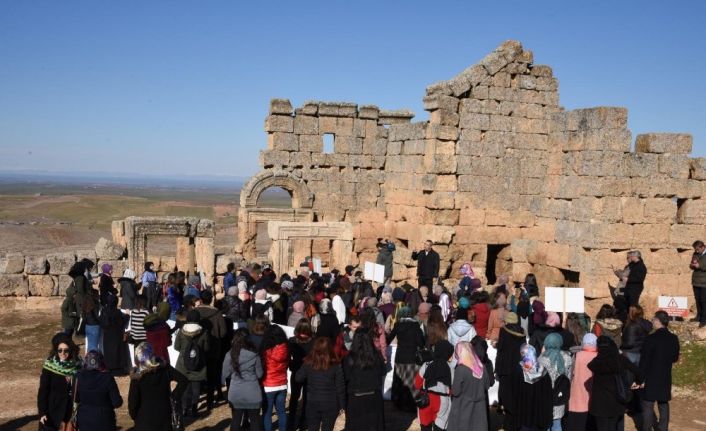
(497, 261)
(571, 278)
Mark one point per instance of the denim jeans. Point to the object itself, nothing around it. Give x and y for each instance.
(556, 425)
(94, 338)
(277, 399)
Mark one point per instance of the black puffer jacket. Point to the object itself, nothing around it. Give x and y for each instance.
(409, 338)
(634, 335)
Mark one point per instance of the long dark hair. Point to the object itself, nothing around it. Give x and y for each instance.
(241, 341)
(322, 357)
(79, 268)
(363, 353)
(274, 336)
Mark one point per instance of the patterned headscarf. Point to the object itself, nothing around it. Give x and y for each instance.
(530, 365)
(467, 270)
(466, 355)
(145, 360)
(552, 351)
(94, 361)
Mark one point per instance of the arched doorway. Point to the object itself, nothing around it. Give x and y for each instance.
(272, 197)
(258, 206)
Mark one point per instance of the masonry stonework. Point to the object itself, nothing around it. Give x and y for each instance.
(498, 165)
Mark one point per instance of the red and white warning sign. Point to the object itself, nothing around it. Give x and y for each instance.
(675, 306)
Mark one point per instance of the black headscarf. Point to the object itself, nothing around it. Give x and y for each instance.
(438, 370)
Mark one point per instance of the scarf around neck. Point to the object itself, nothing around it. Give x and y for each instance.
(62, 368)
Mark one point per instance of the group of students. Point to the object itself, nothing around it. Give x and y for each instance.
(552, 372)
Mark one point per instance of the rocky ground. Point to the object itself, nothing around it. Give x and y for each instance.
(24, 344)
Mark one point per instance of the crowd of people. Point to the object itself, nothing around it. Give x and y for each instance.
(445, 346)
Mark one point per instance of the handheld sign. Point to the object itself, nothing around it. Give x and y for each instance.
(317, 265)
(374, 272)
(564, 299)
(675, 306)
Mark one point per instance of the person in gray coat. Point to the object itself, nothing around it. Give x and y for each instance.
(385, 249)
(470, 385)
(244, 368)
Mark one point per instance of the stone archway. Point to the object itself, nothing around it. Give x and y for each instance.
(249, 214)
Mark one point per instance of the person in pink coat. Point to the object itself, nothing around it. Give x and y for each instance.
(580, 394)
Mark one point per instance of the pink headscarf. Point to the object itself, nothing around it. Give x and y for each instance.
(465, 355)
(553, 320)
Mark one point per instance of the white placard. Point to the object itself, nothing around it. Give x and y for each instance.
(675, 306)
(317, 265)
(374, 272)
(564, 299)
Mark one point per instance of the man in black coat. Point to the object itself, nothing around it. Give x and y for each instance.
(635, 281)
(427, 265)
(659, 351)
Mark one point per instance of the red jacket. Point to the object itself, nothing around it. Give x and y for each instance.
(158, 336)
(482, 312)
(275, 361)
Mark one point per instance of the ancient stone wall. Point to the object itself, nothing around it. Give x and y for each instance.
(500, 166)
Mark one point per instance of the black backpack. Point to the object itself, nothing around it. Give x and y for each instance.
(623, 381)
(193, 356)
(562, 390)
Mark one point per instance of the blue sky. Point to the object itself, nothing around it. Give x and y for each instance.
(182, 87)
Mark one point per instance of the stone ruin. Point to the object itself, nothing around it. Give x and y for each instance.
(500, 176)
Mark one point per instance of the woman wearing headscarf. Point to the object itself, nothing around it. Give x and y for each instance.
(435, 378)
(534, 402)
(150, 390)
(113, 324)
(106, 285)
(409, 339)
(467, 276)
(557, 363)
(511, 339)
(244, 368)
(150, 287)
(54, 398)
(470, 388)
(97, 395)
(128, 289)
(192, 336)
(158, 332)
(604, 405)
(328, 323)
(364, 370)
(297, 313)
(580, 387)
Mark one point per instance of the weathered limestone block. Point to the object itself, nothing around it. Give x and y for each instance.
(61, 283)
(311, 143)
(280, 106)
(399, 116)
(117, 228)
(86, 253)
(640, 164)
(404, 132)
(441, 132)
(370, 112)
(474, 121)
(698, 168)
(440, 101)
(444, 117)
(206, 228)
(692, 212)
(597, 139)
(108, 250)
(279, 123)
(270, 158)
(61, 263)
(306, 125)
(302, 159)
(440, 163)
(674, 143)
(12, 263)
(338, 109)
(660, 210)
(280, 141)
(600, 117)
(674, 165)
(40, 285)
(414, 147)
(13, 285)
(36, 265)
(185, 254)
(308, 108)
(205, 256)
(440, 200)
(167, 263)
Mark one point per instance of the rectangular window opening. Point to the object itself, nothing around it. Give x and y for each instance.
(329, 139)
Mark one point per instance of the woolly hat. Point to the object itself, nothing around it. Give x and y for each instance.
(511, 318)
(298, 307)
(107, 268)
(398, 294)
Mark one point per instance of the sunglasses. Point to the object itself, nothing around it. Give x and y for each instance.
(63, 351)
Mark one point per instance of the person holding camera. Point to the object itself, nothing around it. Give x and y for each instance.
(698, 281)
(385, 249)
(427, 264)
